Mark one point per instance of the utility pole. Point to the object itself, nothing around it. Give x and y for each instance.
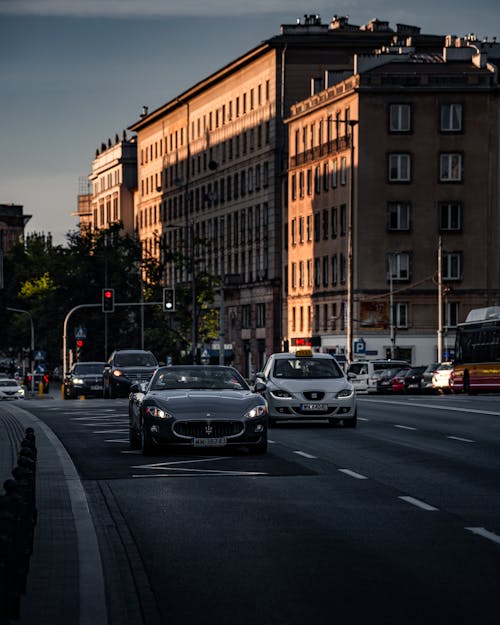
(222, 332)
(350, 249)
(440, 301)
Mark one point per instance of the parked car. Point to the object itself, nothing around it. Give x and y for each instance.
(441, 377)
(426, 382)
(385, 379)
(364, 373)
(306, 385)
(11, 389)
(84, 379)
(408, 380)
(197, 406)
(124, 367)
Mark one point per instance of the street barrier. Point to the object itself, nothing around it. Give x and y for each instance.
(18, 517)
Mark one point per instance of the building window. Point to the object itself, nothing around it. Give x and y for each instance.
(400, 315)
(317, 227)
(293, 228)
(343, 269)
(450, 216)
(261, 315)
(309, 182)
(334, 174)
(326, 266)
(343, 219)
(451, 118)
(451, 314)
(301, 274)
(293, 185)
(398, 264)
(293, 279)
(325, 176)
(398, 216)
(450, 167)
(301, 230)
(294, 319)
(317, 272)
(317, 180)
(245, 316)
(399, 168)
(325, 223)
(399, 118)
(343, 170)
(452, 266)
(334, 270)
(309, 269)
(309, 228)
(334, 223)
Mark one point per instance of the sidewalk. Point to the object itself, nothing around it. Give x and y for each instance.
(65, 581)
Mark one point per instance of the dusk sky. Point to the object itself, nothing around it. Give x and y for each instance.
(75, 72)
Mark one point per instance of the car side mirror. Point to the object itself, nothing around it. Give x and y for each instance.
(351, 375)
(136, 387)
(259, 386)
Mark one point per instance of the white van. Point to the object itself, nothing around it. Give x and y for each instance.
(362, 373)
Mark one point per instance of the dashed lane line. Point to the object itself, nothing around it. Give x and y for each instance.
(404, 427)
(481, 531)
(357, 476)
(305, 455)
(462, 440)
(418, 503)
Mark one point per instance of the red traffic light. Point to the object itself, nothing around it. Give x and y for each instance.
(108, 300)
(79, 343)
(107, 293)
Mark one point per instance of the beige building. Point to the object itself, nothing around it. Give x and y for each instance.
(114, 181)
(212, 169)
(400, 160)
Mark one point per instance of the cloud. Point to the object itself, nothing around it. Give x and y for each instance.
(152, 8)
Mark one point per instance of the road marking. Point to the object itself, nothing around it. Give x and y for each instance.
(108, 431)
(270, 441)
(418, 503)
(305, 455)
(463, 440)
(481, 531)
(404, 427)
(436, 407)
(116, 440)
(170, 466)
(358, 476)
(363, 419)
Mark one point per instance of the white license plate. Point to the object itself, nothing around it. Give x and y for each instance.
(209, 442)
(96, 387)
(322, 407)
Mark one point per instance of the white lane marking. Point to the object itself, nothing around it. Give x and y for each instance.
(116, 440)
(459, 438)
(109, 431)
(418, 503)
(205, 473)
(436, 407)
(363, 419)
(304, 454)
(404, 427)
(270, 441)
(481, 531)
(358, 476)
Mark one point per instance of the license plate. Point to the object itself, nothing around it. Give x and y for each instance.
(96, 387)
(322, 407)
(209, 442)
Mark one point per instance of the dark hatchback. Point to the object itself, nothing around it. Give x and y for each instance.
(126, 367)
(84, 379)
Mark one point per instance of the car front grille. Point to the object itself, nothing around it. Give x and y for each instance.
(208, 429)
(313, 395)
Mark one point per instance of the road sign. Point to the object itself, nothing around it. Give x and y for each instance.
(359, 346)
(39, 355)
(80, 332)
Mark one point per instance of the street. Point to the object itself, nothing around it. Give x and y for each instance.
(395, 521)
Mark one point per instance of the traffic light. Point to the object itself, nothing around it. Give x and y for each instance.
(79, 345)
(168, 299)
(108, 300)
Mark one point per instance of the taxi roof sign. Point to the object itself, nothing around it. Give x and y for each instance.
(304, 353)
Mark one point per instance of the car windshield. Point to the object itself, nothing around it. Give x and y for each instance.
(135, 360)
(198, 377)
(89, 368)
(8, 383)
(307, 368)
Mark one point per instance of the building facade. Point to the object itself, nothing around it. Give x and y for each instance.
(114, 181)
(212, 170)
(12, 224)
(400, 160)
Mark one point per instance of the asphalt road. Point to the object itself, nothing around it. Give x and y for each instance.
(397, 521)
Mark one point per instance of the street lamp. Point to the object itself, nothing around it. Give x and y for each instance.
(350, 248)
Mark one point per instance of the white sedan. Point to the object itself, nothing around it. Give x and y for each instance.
(11, 389)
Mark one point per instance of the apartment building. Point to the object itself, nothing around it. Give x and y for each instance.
(212, 169)
(400, 160)
(12, 224)
(114, 182)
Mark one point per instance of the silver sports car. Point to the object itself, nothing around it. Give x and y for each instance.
(197, 406)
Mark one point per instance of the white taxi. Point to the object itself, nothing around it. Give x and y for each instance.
(306, 385)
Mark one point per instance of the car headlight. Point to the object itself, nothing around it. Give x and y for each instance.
(157, 413)
(117, 373)
(20, 392)
(345, 393)
(256, 411)
(77, 381)
(278, 393)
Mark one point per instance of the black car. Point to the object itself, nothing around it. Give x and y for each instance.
(84, 379)
(197, 406)
(126, 367)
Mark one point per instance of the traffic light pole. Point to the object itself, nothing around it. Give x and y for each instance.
(66, 319)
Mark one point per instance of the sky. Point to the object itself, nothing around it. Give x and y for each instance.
(74, 73)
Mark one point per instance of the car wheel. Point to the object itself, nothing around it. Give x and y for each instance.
(352, 422)
(134, 438)
(147, 444)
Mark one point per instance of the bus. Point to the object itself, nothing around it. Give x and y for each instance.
(477, 352)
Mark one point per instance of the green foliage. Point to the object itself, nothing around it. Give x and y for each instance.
(49, 281)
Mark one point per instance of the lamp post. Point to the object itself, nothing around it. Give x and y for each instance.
(32, 343)
(350, 248)
(222, 328)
